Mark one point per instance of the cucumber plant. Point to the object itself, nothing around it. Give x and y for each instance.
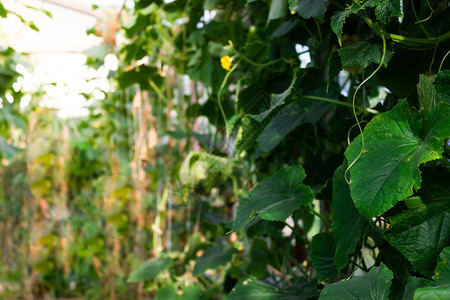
(338, 169)
(285, 149)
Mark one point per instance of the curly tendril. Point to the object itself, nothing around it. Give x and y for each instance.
(354, 108)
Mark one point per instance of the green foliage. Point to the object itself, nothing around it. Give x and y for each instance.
(308, 8)
(291, 116)
(442, 272)
(212, 258)
(254, 289)
(259, 179)
(275, 101)
(428, 224)
(3, 11)
(339, 18)
(169, 292)
(322, 255)
(385, 10)
(426, 92)
(442, 85)
(275, 198)
(348, 223)
(363, 53)
(6, 150)
(372, 285)
(431, 293)
(396, 144)
(413, 284)
(150, 269)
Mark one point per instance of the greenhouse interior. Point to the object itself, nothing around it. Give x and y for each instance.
(224, 149)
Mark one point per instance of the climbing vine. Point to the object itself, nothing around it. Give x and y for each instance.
(364, 210)
(291, 149)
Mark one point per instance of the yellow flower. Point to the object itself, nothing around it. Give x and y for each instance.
(38, 110)
(226, 62)
(96, 124)
(293, 12)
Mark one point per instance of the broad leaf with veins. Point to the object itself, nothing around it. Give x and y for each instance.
(372, 285)
(275, 198)
(396, 144)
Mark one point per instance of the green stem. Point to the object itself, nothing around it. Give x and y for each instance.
(219, 101)
(238, 88)
(319, 216)
(420, 22)
(432, 59)
(369, 110)
(259, 65)
(431, 13)
(442, 62)
(430, 42)
(235, 188)
(157, 90)
(300, 268)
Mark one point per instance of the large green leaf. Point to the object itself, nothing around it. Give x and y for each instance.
(372, 285)
(212, 258)
(251, 129)
(275, 198)
(322, 255)
(278, 10)
(275, 101)
(150, 269)
(442, 85)
(413, 284)
(348, 224)
(254, 289)
(442, 272)
(140, 75)
(294, 114)
(433, 293)
(338, 20)
(253, 124)
(206, 68)
(396, 144)
(308, 8)
(421, 233)
(203, 69)
(364, 53)
(285, 27)
(385, 10)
